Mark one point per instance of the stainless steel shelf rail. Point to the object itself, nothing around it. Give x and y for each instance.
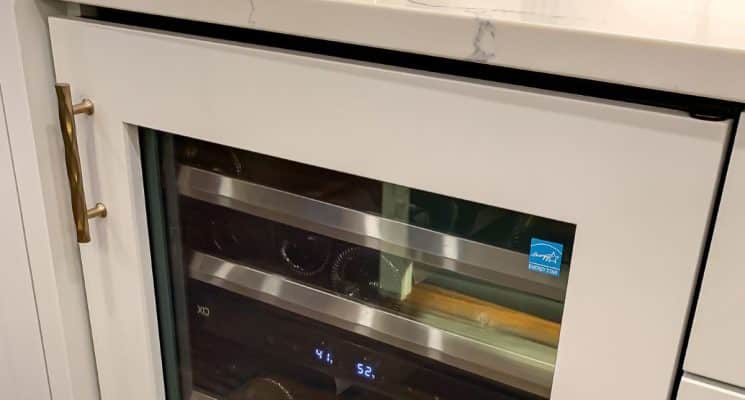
(197, 395)
(493, 264)
(531, 369)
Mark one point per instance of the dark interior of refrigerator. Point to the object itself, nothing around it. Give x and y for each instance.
(223, 338)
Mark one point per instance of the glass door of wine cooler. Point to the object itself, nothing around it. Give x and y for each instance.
(281, 280)
(283, 224)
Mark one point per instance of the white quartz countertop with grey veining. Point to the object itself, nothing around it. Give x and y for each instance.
(686, 46)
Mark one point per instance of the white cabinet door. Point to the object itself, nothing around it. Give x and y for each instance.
(23, 370)
(697, 388)
(637, 182)
(716, 349)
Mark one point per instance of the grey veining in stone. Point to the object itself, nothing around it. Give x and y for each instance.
(484, 42)
(252, 9)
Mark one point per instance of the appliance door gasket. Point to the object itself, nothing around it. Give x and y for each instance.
(532, 373)
(499, 266)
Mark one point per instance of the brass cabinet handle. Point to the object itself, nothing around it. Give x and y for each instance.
(67, 112)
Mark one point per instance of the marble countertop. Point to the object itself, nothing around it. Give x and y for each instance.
(686, 46)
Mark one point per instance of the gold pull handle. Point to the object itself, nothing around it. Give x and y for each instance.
(67, 112)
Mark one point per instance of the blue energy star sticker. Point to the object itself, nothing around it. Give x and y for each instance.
(545, 257)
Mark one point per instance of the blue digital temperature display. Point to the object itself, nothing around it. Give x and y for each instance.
(324, 356)
(364, 370)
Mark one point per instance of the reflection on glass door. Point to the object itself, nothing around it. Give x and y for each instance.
(280, 280)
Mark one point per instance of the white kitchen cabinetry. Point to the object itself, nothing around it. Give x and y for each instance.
(716, 347)
(26, 76)
(23, 372)
(697, 388)
(638, 182)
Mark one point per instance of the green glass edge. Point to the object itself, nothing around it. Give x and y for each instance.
(157, 228)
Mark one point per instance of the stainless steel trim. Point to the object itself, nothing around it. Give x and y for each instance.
(197, 395)
(500, 266)
(531, 369)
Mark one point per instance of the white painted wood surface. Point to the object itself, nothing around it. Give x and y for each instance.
(638, 182)
(23, 371)
(717, 345)
(27, 79)
(697, 388)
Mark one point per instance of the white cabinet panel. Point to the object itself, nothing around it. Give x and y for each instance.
(26, 76)
(23, 372)
(637, 182)
(716, 348)
(696, 388)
